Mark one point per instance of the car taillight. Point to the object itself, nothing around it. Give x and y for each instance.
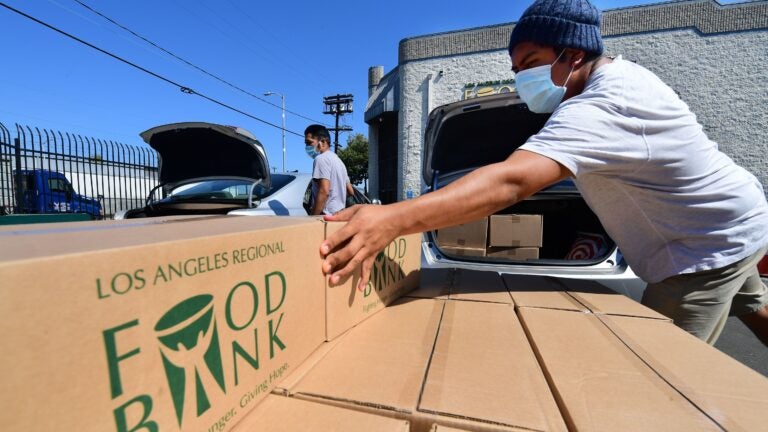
(762, 266)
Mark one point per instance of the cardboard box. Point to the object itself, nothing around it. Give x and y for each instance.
(394, 273)
(379, 365)
(483, 286)
(483, 372)
(735, 396)
(574, 295)
(282, 414)
(94, 225)
(540, 292)
(516, 231)
(517, 254)
(462, 284)
(439, 428)
(184, 326)
(476, 373)
(600, 384)
(461, 251)
(434, 283)
(468, 235)
(602, 300)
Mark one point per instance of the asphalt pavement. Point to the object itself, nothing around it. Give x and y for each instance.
(740, 343)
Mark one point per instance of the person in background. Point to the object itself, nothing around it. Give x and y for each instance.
(330, 181)
(688, 220)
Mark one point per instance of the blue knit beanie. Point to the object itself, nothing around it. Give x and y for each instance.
(562, 23)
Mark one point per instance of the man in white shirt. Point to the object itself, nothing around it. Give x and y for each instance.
(330, 181)
(689, 221)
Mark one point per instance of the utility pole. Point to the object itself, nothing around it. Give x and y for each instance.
(338, 105)
(282, 99)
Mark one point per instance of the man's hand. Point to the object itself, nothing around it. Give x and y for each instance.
(480, 193)
(368, 231)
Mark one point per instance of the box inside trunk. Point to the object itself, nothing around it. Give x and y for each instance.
(572, 234)
(483, 131)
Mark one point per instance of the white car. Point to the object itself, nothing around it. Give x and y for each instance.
(465, 135)
(207, 168)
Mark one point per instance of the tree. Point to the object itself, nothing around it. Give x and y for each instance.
(355, 157)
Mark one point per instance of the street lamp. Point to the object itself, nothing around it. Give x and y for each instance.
(282, 99)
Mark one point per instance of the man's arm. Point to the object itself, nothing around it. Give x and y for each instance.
(480, 193)
(323, 190)
(350, 189)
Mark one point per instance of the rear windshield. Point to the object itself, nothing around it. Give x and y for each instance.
(227, 189)
(476, 138)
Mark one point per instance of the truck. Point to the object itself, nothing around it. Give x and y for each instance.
(42, 191)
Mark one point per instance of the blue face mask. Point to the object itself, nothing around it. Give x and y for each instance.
(537, 90)
(311, 151)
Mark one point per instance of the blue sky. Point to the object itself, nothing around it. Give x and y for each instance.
(304, 50)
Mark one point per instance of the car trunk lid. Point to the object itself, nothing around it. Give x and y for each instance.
(194, 150)
(465, 135)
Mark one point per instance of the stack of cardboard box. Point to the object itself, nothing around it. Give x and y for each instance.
(227, 323)
(170, 323)
(512, 237)
(460, 352)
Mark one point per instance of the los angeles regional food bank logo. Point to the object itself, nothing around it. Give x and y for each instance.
(188, 338)
(189, 344)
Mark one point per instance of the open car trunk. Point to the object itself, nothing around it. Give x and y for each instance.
(466, 135)
(182, 209)
(204, 168)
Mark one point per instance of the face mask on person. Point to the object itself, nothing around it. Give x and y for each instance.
(311, 151)
(537, 90)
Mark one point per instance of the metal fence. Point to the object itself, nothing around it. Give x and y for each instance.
(117, 176)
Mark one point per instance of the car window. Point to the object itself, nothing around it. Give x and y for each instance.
(212, 190)
(357, 198)
(58, 185)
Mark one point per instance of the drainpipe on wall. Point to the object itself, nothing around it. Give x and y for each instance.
(414, 185)
(375, 73)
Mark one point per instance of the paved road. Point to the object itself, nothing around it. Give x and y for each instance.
(738, 342)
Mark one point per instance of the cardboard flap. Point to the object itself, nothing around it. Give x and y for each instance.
(461, 284)
(282, 414)
(286, 386)
(479, 286)
(540, 292)
(599, 383)
(440, 428)
(40, 244)
(434, 283)
(395, 272)
(382, 361)
(483, 369)
(602, 300)
(733, 395)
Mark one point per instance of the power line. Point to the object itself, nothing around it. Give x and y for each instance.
(182, 4)
(279, 41)
(248, 37)
(184, 89)
(188, 62)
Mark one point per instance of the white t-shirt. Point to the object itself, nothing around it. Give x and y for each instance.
(663, 191)
(327, 165)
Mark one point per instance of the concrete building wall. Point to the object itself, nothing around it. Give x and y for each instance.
(424, 88)
(723, 78)
(715, 56)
